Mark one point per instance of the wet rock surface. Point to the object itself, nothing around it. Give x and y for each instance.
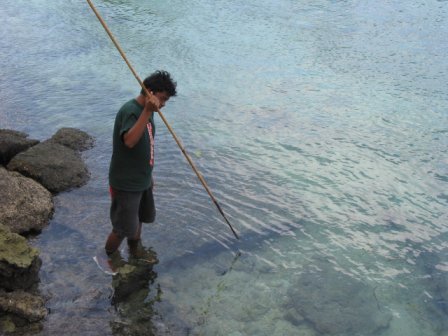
(57, 167)
(25, 204)
(13, 142)
(337, 304)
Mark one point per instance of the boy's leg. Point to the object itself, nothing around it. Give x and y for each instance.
(113, 242)
(135, 242)
(124, 217)
(147, 214)
(147, 208)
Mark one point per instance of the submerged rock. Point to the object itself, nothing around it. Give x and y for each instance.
(435, 282)
(25, 205)
(73, 138)
(12, 143)
(130, 279)
(336, 304)
(131, 287)
(56, 167)
(19, 263)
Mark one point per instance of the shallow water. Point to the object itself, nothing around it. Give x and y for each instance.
(321, 127)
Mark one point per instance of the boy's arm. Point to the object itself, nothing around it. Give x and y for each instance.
(132, 137)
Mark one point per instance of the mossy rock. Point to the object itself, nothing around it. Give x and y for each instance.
(23, 305)
(7, 325)
(19, 262)
(130, 279)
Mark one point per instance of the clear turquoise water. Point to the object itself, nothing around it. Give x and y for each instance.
(321, 127)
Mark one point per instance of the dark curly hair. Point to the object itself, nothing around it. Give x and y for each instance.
(160, 81)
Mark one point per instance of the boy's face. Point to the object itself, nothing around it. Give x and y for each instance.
(163, 97)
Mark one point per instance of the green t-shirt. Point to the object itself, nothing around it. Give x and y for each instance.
(131, 168)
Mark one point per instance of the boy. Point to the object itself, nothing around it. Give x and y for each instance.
(130, 172)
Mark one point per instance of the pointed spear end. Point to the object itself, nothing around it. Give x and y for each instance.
(225, 218)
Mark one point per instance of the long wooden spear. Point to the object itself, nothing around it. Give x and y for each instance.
(123, 55)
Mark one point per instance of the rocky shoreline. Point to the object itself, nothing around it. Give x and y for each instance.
(31, 173)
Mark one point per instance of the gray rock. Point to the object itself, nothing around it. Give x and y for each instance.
(336, 304)
(73, 138)
(19, 263)
(23, 305)
(12, 143)
(57, 167)
(25, 205)
(292, 315)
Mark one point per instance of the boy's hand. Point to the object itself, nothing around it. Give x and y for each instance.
(152, 103)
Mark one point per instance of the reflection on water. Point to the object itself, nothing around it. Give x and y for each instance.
(321, 128)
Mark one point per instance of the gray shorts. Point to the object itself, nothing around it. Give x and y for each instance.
(129, 208)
